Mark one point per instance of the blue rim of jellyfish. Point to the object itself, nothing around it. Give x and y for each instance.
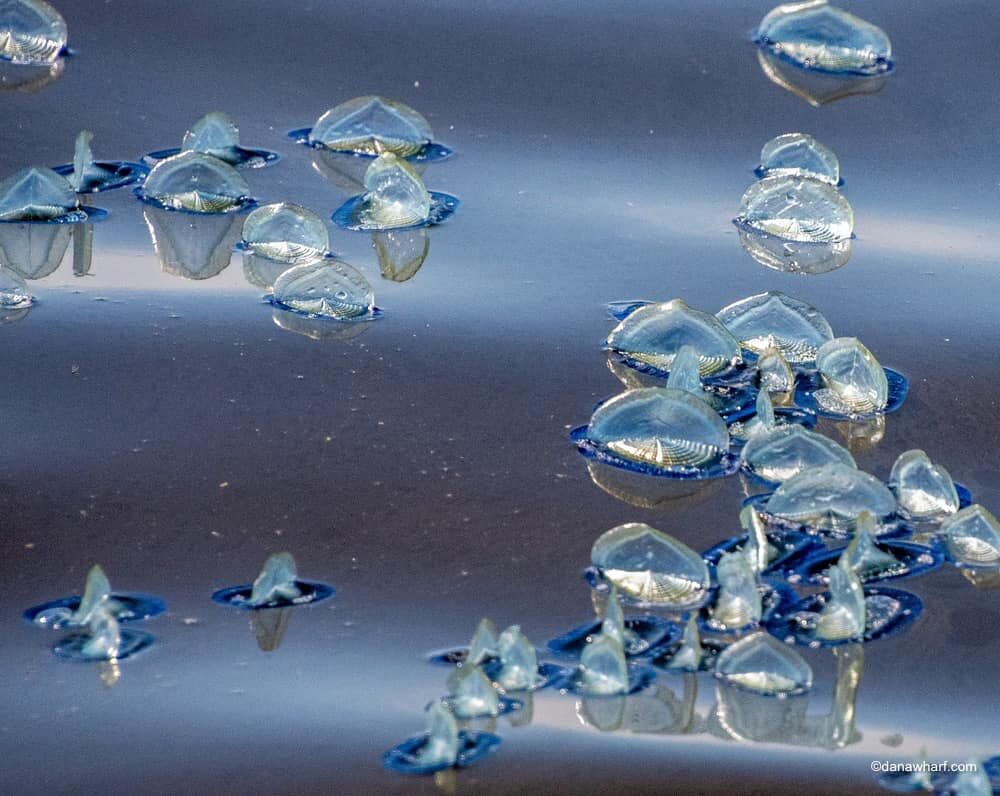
(123, 173)
(917, 559)
(247, 157)
(548, 674)
(883, 66)
(792, 546)
(784, 625)
(428, 154)
(774, 597)
(240, 205)
(65, 52)
(710, 649)
(239, 596)
(80, 215)
(506, 705)
(373, 314)
(760, 173)
(726, 466)
(890, 528)
(596, 580)
(472, 747)
(640, 677)
(71, 647)
(443, 206)
(899, 386)
(652, 630)
(131, 607)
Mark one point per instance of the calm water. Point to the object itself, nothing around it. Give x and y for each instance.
(170, 430)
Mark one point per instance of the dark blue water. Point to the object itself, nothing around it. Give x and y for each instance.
(168, 429)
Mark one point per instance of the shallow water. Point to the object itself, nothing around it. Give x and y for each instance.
(171, 431)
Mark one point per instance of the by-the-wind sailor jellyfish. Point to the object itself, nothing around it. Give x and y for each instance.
(197, 183)
(773, 320)
(761, 663)
(818, 36)
(854, 383)
(603, 670)
(39, 194)
(774, 374)
(758, 551)
(31, 32)
(738, 602)
(372, 125)
(650, 567)
(843, 615)
(653, 335)
(863, 556)
(89, 176)
(796, 209)
(518, 662)
(277, 585)
(668, 429)
(102, 638)
(216, 134)
(684, 372)
(286, 233)
(327, 289)
(689, 655)
(924, 491)
(798, 155)
(830, 498)
(472, 695)
(483, 646)
(441, 746)
(972, 537)
(14, 293)
(394, 198)
(776, 454)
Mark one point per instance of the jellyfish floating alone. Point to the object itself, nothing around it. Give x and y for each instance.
(277, 586)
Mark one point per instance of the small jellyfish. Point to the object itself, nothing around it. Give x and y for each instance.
(798, 155)
(38, 194)
(758, 550)
(650, 567)
(761, 663)
(854, 383)
(776, 454)
(603, 670)
(394, 198)
(774, 374)
(843, 616)
(924, 491)
(441, 747)
(286, 232)
(773, 320)
(815, 35)
(689, 655)
(372, 125)
(217, 135)
(864, 557)
(483, 646)
(796, 209)
(102, 638)
(14, 293)
(667, 429)
(329, 289)
(830, 498)
(518, 669)
(471, 694)
(89, 176)
(653, 334)
(31, 32)
(738, 602)
(277, 586)
(972, 537)
(196, 183)
(76, 611)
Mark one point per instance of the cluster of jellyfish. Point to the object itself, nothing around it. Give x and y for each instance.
(186, 190)
(98, 624)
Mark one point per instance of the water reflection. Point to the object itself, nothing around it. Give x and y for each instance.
(29, 79)
(657, 710)
(317, 328)
(190, 245)
(347, 170)
(263, 272)
(401, 253)
(859, 436)
(34, 251)
(638, 489)
(817, 88)
(794, 257)
(269, 627)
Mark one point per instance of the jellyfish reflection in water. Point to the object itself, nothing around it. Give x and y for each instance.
(441, 747)
(31, 32)
(14, 295)
(192, 245)
(656, 710)
(402, 253)
(394, 198)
